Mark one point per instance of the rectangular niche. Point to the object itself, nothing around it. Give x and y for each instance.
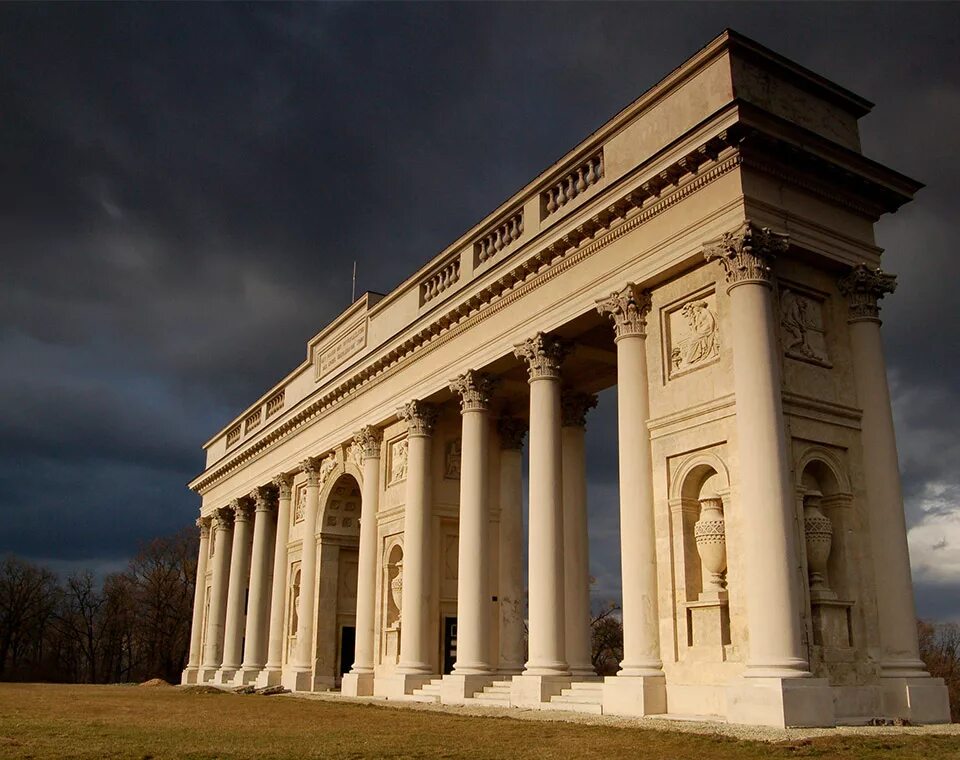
(802, 326)
(691, 331)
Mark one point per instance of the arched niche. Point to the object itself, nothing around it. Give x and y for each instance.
(391, 599)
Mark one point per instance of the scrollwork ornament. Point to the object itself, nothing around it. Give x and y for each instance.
(367, 441)
(419, 416)
(574, 406)
(864, 287)
(265, 497)
(512, 431)
(203, 523)
(628, 309)
(223, 518)
(242, 509)
(284, 485)
(747, 252)
(543, 355)
(475, 390)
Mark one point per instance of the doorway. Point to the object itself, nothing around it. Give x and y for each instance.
(449, 643)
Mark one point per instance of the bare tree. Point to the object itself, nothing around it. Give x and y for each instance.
(28, 595)
(606, 640)
(940, 652)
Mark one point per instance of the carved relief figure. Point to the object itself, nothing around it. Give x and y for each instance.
(398, 460)
(451, 467)
(801, 320)
(300, 505)
(700, 340)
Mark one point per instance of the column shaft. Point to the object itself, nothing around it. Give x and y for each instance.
(279, 579)
(510, 568)
(576, 550)
(415, 596)
(199, 594)
(237, 590)
(308, 571)
(223, 546)
(369, 441)
(473, 595)
(258, 605)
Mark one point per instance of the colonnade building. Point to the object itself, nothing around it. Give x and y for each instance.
(710, 252)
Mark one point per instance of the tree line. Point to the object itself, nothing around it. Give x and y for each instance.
(132, 626)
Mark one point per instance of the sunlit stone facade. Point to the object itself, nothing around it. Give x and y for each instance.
(710, 251)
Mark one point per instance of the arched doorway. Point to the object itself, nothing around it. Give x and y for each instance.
(338, 537)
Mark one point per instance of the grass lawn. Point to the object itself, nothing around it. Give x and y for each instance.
(47, 721)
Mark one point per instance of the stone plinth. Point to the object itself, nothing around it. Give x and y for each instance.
(634, 695)
(781, 702)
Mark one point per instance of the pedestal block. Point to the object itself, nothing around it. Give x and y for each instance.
(634, 695)
(397, 685)
(297, 680)
(532, 691)
(919, 700)
(781, 702)
(357, 685)
(456, 688)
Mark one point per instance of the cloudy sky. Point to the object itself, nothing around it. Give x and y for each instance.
(183, 190)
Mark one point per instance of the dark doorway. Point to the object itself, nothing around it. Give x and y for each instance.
(348, 640)
(449, 643)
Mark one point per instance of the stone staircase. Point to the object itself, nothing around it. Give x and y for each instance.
(582, 696)
(496, 694)
(429, 692)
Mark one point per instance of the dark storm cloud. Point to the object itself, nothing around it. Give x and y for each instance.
(185, 187)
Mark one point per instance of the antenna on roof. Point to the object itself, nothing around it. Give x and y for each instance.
(353, 292)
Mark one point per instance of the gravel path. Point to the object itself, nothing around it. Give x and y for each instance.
(754, 733)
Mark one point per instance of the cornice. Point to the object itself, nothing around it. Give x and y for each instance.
(573, 244)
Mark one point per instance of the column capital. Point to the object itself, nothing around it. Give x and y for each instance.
(475, 390)
(747, 252)
(367, 440)
(284, 485)
(419, 416)
(628, 309)
(242, 509)
(864, 287)
(512, 431)
(317, 468)
(574, 406)
(543, 355)
(203, 523)
(264, 497)
(222, 518)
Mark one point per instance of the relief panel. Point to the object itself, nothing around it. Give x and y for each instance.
(451, 459)
(397, 461)
(802, 327)
(692, 334)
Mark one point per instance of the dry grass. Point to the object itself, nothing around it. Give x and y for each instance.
(45, 721)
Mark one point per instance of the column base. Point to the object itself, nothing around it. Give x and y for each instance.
(398, 685)
(456, 688)
(189, 676)
(357, 685)
(246, 675)
(781, 702)
(634, 695)
(919, 700)
(297, 680)
(224, 676)
(268, 677)
(532, 691)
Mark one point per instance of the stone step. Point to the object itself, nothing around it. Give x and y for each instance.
(429, 692)
(496, 689)
(581, 707)
(589, 687)
(488, 700)
(582, 696)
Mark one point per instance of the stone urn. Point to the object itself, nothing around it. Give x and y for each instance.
(396, 587)
(712, 546)
(818, 535)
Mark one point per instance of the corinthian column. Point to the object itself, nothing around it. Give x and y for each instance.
(776, 650)
(639, 687)
(543, 355)
(573, 410)
(258, 600)
(270, 675)
(905, 676)
(473, 668)
(199, 597)
(359, 681)
(222, 547)
(512, 432)
(415, 602)
(236, 591)
(300, 676)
